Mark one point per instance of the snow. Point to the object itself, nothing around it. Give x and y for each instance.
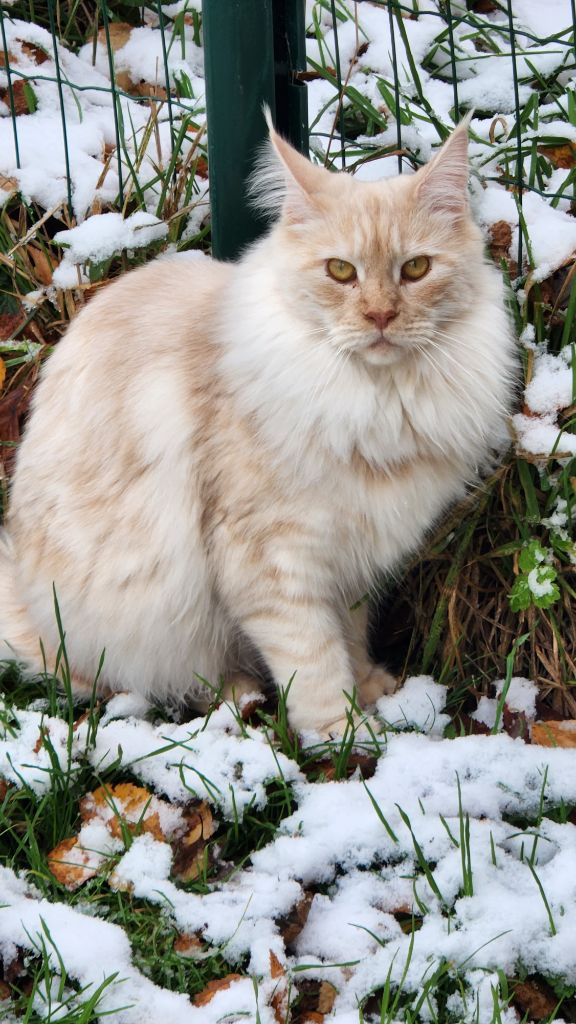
(419, 704)
(549, 392)
(100, 237)
(425, 788)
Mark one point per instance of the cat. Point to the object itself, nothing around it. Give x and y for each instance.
(221, 457)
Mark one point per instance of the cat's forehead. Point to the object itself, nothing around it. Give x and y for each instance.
(374, 219)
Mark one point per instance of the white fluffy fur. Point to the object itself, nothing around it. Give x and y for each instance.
(217, 464)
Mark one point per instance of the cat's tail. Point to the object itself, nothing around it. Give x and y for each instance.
(17, 640)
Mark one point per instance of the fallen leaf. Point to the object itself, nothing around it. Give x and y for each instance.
(208, 993)
(23, 97)
(189, 847)
(36, 53)
(326, 997)
(2, 372)
(555, 734)
(500, 240)
(43, 264)
(124, 806)
(9, 185)
(69, 863)
(515, 723)
(4, 787)
(5, 991)
(118, 32)
(292, 924)
(279, 1000)
(534, 998)
(563, 155)
(187, 945)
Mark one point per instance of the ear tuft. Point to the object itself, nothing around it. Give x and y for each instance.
(443, 182)
(284, 181)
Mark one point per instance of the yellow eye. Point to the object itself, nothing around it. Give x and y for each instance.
(414, 269)
(341, 271)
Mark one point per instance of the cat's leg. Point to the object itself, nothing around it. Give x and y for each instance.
(372, 681)
(300, 637)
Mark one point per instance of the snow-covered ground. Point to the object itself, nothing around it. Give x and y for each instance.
(431, 833)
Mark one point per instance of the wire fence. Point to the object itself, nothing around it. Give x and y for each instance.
(386, 89)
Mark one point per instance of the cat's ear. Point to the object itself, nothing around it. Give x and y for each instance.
(443, 183)
(285, 182)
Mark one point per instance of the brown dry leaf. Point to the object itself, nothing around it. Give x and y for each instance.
(501, 240)
(313, 1017)
(484, 6)
(9, 322)
(555, 734)
(563, 156)
(9, 185)
(189, 848)
(326, 997)
(2, 372)
(208, 993)
(4, 787)
(5, 991)
(143, 88)
(19, 96)
(534, 998)
(68, 862)
(12, 407)
(12, 59)
(36, 53)
(515, 724)
(119, 33)
(124, 805)
(43, 264)
(292, 924)
(314, 76)
(365, 762)
(279, 1001)
(187, 945)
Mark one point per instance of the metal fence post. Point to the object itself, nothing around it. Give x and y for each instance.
(252, 51)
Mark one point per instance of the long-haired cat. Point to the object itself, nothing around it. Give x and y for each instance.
(222, 456)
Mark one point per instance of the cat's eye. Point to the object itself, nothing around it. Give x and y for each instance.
(414, 269)
(341, 270)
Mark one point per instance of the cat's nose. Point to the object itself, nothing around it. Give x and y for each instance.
(381, 317)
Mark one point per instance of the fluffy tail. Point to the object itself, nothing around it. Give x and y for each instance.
(17, 640)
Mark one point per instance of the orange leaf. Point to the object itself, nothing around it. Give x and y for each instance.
(69, 863)
(563, 156)
(124, 806)
(2, 372)
(187, 945)
(213, 987)
(554, 734)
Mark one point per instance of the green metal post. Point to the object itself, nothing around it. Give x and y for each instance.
(252, 49)
(290, 60)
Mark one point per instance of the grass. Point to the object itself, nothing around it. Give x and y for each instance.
(39, 986)
(459, 611)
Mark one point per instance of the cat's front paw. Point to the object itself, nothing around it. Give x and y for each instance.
(364, 727)
(375, 683)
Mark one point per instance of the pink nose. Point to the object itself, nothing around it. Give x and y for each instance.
(381, 317)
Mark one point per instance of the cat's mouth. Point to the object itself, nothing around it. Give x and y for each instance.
(381, 344)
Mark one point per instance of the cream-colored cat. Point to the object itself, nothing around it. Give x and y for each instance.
(221, 457)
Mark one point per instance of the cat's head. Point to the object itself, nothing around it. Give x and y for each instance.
(378, 269)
